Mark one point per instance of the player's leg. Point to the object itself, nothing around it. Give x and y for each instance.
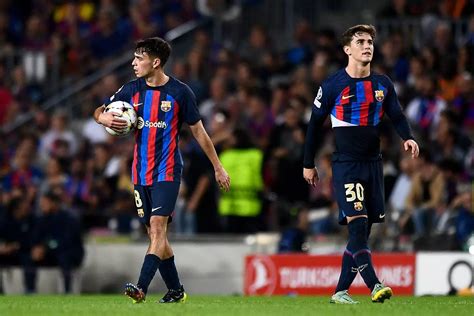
(347, 276)
(150, 264)
(359, 248)
(169, 273)
(376, 214)
(344, 180)
(164, 195)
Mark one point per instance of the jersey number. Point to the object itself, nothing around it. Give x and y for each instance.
(138, 200)
(351, 194)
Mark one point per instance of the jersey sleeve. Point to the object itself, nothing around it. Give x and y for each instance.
(189, 107)
(123, 94)
(322, 106)
(394, 111)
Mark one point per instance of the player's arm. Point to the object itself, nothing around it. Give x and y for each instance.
(205, 142)
(111, 119)
(320, 111)
(400, 122)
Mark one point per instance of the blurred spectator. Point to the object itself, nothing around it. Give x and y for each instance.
(57, 238)
(425, 202)
(35, 42)
(241, 205)
(17, 223)
(110, 30)
(122, 214)
(23, 179)
(301, 49)
(257, 45)
(424, 111)
(402, 187)
(285, 153)
(260, 120)
(218, 96)
(6, 99)
(293, 238)
(77, 187)
(462, 205)
(393, 52)
(59, 130)
(103, 169)
(146, 23)
(200, 209)
(463, 103)
(55, 179)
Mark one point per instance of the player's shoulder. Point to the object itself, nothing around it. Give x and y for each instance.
(336, 77)
(382, 78)
(178, 88)
(132, 85)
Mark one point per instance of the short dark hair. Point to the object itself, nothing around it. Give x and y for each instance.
(154, 47)
(360, 28)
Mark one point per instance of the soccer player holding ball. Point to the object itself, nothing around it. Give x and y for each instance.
(162, 104)
(356, 99)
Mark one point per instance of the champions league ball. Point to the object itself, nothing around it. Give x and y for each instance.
(127, 113)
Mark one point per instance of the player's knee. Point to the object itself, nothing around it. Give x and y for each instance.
(357, 234)
(156, 233)
(157, 230)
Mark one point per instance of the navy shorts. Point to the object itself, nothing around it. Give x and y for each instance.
(359, 188)
(156, 199)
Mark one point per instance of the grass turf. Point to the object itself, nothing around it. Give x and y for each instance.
(91, 305)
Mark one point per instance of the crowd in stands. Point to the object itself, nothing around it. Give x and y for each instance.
(255, 101)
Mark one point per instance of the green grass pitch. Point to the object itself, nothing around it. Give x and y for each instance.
(91, 305)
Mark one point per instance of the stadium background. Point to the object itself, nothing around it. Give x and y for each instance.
(254, 66)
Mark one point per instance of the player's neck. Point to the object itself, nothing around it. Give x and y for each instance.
(157, 79)
(356, 70)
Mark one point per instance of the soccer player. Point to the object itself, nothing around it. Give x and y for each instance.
(162, 103)
(357, 100)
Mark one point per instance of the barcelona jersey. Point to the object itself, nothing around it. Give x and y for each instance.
(356, 107)
(161, 111)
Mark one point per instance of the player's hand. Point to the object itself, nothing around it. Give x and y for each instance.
(112, 120)
(415, 150)
(222, 178)
(311, 176)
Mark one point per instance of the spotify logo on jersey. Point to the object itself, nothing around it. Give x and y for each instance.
(141, 124)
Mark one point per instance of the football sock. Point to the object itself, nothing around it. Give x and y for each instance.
(348, 272)
(170, 274)
(360, 251)
(149, 267)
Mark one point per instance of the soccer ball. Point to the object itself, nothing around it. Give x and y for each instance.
(127, 113)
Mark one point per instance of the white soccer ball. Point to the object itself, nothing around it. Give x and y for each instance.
(127, 113)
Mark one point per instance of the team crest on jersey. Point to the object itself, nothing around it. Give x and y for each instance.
(140, 212)
(165, 106)
(358, 206)
(379, 95)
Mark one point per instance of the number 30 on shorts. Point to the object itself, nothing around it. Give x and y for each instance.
(354, 191)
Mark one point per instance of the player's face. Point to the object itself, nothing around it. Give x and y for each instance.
(361, 48)
(143, 64)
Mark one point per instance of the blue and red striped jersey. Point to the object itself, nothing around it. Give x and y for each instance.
(161, 112)
(356, 107)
